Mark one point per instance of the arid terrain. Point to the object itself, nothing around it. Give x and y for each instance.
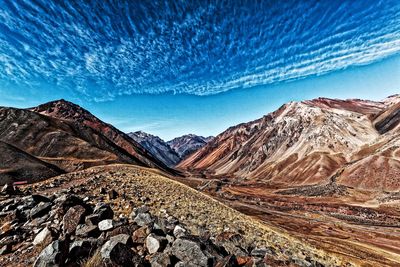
(356, 224)
(314, 183)
(201, 214)
(325, 170)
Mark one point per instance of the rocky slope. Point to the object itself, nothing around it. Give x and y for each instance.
(188, 144)
(308, 143)
(96, 217)
(65, 110)
(158, 147)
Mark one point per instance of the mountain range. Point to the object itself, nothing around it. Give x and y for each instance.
(60, 136)
(173, 151)
(354, 142)
(327, 171)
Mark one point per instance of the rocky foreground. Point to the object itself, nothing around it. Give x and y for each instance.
(66, 230)
(77, 220)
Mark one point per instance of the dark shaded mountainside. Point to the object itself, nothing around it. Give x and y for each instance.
(65, 110)
(171, 152)
(158, 147)
(16, 164)
(186, 145)
(68, 138)
(352, 142)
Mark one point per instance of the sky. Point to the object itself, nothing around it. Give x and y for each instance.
(176, 67)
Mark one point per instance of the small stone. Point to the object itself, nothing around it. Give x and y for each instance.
(160, 260)
(92, 219)
(139, 236)
(155, 243)
(44, 236)
(5, 249)
(228, 261)
(8, 189)
(259, 252)
(104, 211)
(105, 225)
(179, 231)
(123, 238)
(84, 230)
(40, 209)
(142, 209)
(123, 229)
(72, 218)
(170, 238)
(112, 194)
(143, 219)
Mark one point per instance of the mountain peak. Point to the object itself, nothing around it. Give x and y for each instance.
(66, 110)
(63, 109)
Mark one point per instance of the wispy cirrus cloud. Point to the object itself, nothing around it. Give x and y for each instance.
(103, 49)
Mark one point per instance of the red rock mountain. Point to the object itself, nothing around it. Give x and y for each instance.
(312, 142)
(59, 137)
(66, 144)
(65, 110)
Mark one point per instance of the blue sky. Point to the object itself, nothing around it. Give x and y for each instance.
(176, 67)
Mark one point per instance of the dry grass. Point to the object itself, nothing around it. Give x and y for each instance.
(5, 227)
(94, 261)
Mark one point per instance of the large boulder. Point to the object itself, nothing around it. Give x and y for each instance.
(81, 249)
(232, 243)
(115, 252)
(190, 252)
(68, 201)
(53, 255)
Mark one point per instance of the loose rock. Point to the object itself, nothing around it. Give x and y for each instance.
(105, 225)
(155, 243)
(72, 218)
(43, 236)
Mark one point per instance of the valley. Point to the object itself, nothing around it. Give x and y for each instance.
(355, 224)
